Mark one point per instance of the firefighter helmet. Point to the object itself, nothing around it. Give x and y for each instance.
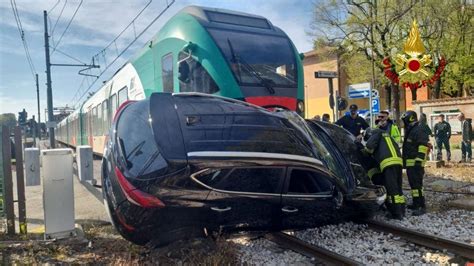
(409, 117)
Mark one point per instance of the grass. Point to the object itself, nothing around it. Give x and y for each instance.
(103, 245)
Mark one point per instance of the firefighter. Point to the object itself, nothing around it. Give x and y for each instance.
(385, 123)
(415, 148)
(386, 152)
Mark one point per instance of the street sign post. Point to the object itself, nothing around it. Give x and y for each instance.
(328, 75)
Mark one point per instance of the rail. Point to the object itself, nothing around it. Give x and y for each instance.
(423, 239)
(302, 247)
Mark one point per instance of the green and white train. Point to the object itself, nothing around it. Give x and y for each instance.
(205, 50)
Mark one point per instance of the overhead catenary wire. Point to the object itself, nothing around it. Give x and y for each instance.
(57, 20)
(67, 27)
(23, 39)
(168, 4)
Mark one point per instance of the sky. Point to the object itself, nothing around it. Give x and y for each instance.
(96, 24)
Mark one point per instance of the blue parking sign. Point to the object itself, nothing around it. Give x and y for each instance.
(375, 105)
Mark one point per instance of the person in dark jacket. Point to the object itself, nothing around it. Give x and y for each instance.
(466, 150)
(353, 122)
(442, 132)
(415, 148)
(385, 151)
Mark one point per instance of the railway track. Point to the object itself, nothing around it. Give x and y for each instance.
(329, 257)
(422, 239)
(302, 247)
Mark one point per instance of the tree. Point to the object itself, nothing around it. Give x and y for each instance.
(8, 119)
(378, 29)
(367, 28)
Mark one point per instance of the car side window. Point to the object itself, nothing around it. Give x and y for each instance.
(304, 181)
(255, 180)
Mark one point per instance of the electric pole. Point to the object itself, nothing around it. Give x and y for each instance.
(49, 91)
(52, 124)
(38, 124)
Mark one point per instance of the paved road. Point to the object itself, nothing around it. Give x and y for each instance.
(87, 203)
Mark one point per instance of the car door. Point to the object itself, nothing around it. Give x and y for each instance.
(244, 198)
(309, 199)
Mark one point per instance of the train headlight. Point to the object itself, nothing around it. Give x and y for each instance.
(300, 108)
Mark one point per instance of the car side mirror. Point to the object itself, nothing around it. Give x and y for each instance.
(183, 71)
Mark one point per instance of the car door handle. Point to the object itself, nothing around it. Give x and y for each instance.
(217, 209)
(289, 209)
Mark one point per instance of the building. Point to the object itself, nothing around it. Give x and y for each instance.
(317, 90)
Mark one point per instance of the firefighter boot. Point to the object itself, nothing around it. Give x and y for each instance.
(395, 211)
(420, 206)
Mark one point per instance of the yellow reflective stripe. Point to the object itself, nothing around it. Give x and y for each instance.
(390, 161)
(399, 199)
(423, 149)
(395, 133)
(414, 193)
(419, 159)
(390, 146)
(372, 172)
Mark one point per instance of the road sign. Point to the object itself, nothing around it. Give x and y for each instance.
(325, 74)
(375, 93)
(375, 105)
(361, 90)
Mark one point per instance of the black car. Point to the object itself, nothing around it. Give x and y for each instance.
(183, 165)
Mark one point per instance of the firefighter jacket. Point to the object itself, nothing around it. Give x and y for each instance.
(384, 149)
(393, 130)
(415, 146)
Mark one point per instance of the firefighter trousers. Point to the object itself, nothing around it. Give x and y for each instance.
(392, 177)
(415, 178)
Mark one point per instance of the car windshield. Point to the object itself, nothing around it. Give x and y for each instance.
(317, 146)
(258, 59)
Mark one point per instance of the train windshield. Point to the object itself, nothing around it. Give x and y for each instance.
(258, 59)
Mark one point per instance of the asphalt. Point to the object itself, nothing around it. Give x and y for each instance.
(88, 205)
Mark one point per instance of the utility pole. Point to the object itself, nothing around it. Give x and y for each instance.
(49, 91)
(38, 99)
(52, 124)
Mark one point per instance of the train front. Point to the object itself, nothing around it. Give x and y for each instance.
(236, 55)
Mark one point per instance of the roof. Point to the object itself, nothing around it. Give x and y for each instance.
(444, 100)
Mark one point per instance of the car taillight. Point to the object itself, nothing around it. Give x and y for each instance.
(135, 195)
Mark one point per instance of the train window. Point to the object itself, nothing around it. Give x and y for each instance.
(122, 95)
(113, 105)
(99, 120)
(237, 20)
(94, 121)
(138, 149)
(256, 180)
(198, 79)
(105, 116)
(308, 182)
(167, 72)
(258, 58)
